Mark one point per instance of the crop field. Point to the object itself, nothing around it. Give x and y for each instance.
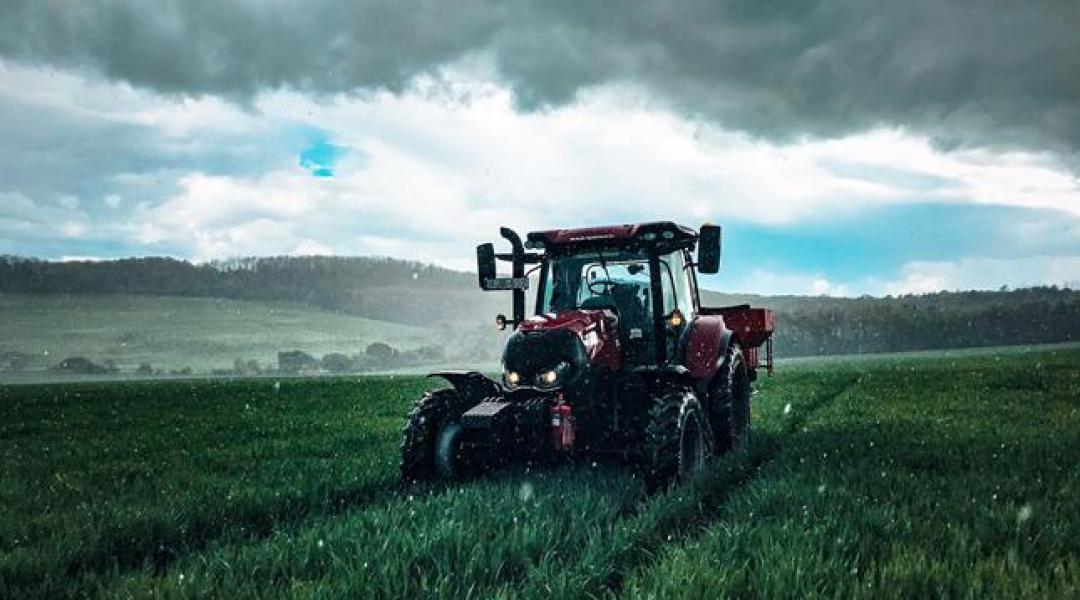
(892, 477)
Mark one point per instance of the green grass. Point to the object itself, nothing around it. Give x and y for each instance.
(98, 478)
(924, 479)
(908, 476)
(177, 332)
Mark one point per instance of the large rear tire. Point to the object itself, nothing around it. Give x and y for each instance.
(729, 399)
(429, 416)
(677, 439)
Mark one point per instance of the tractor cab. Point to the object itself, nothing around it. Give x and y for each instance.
(619, 280)
(637, 281)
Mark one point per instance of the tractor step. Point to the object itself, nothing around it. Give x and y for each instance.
(485, 415)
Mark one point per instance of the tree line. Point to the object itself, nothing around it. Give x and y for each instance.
(418, 294)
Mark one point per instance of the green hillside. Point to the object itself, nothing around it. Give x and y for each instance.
(173, 333)
(450, 302)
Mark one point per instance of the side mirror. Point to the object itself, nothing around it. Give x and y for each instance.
(485, 264)
(709, 249)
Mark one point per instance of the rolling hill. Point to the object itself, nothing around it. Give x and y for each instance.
(175, 333)
(340, 304)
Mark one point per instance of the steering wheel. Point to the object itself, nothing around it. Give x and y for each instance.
(601, 287)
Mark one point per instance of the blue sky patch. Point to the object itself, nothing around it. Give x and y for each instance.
(878, 242)
(320, 157)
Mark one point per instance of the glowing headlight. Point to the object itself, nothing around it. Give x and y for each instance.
(513, 378)
(552, 377)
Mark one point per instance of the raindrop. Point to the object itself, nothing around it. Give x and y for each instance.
(1024, 515)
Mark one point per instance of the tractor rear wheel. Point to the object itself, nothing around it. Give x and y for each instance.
(677, 440)
(428, 418)
(729, 399)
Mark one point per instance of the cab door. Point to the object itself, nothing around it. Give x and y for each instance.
(679, 300)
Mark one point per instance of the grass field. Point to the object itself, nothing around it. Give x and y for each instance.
(909, 477)
(172, 333)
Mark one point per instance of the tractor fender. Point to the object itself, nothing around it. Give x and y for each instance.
(706, 342)
(472, 386)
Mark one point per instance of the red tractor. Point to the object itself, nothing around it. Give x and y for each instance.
(619, 358)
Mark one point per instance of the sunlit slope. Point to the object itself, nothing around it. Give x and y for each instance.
(914, 476)
(172, 333)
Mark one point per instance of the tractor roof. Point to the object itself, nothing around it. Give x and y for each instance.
(664, 232)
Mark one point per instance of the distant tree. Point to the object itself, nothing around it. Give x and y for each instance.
(246, 367)
(380, 350)
(296, 361)
(337, 363)
(144, 368)
(78, 365)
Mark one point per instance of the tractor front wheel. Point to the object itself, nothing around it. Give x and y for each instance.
(428, 418)
(678, 441)
(453, 461)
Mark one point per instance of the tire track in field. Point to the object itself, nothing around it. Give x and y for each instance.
(690, 515)
(686, 518)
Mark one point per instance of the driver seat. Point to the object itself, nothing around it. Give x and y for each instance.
(631, 306)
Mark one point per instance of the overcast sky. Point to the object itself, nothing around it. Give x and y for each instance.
(846, 147)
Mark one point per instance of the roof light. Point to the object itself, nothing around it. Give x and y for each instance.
(648, 237)
(668, 235)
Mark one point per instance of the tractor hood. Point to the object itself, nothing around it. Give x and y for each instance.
(579, 337)
(579, 322)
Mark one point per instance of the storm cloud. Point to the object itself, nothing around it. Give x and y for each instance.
(964, 73)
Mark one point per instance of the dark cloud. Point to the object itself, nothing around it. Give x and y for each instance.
(967, 72)
(49, 152)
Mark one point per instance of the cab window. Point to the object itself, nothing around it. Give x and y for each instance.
(675, 281)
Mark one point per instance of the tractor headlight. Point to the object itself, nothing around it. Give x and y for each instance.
(553, 376)
(513, 378)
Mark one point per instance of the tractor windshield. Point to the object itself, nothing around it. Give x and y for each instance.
(614, 279)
